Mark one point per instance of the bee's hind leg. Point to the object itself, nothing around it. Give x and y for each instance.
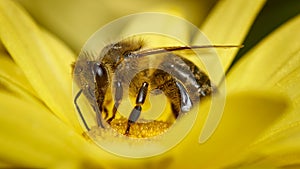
(136, 111)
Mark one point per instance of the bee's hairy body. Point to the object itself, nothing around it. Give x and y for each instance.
(175, 76)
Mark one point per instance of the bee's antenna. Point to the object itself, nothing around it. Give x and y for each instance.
(146, 52)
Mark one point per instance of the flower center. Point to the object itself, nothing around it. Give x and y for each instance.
(143, 129)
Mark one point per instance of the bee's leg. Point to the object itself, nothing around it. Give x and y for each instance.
(78, 109)
(140, 100)
(118, 98)
(178, 96)
(98, 115)
(169, 88)
(185, 101)
(182, 103)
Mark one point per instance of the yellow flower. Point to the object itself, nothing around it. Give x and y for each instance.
(39, 127)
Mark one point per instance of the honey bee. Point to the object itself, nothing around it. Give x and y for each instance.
(126, 65)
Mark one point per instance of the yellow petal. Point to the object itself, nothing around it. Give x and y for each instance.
(271, 60)
(32, 136)
(12, 73)
(229, 23)
(245, 117)
(274, 64)
(44, 60)
(280, 151)
(289, 85)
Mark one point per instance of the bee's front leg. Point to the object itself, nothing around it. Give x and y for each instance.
(79, 111)
(118, 98)
(140, 100)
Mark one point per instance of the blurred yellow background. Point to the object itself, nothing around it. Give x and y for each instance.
(75, 21)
